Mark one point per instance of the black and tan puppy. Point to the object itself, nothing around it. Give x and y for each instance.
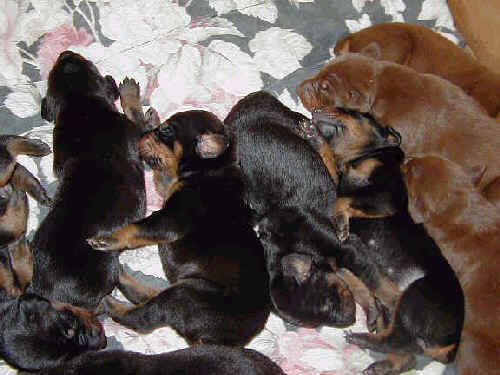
(209, 251)
(37, 334)
(101, 186)
(292, 195)
(403, 272)
(197, 360)
(16, 261)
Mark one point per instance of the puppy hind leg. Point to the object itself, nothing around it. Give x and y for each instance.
(136, 291)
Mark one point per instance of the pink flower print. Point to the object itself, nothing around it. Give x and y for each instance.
(58, 40)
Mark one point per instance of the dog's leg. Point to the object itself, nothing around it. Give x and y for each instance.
(160, 227)
(22, 263)
(136, 291)
(392, 365)
(130, 99)
(364, 297)
(25, 181)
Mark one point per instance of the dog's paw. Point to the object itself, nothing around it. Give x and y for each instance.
(152, 118)
(379, 368)
(129, 89)
(341, 227)
(363, 340)
(103, 243)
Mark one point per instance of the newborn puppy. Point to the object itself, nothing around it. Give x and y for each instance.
(426, 51)
(16, 261)
(101, 186)
(432, 115)
(197, 360)
(291, 195)
(37, 334)
(209, 251)
(402, 273)
(467, 229)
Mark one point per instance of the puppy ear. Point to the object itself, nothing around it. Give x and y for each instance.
(45, 111)
(113, 91)
(210, 145)
(372, 50)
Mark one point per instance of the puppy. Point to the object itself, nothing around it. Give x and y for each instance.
(476, 22)
(37, 334)
(426, 51)
(16, 261)
(200, 359)
(291, 195)
(432, 115)
(101, 187)
(467, 228)
(209, 251)
(422, 313)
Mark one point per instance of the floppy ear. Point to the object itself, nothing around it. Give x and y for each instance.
(372, 50)
(210, 145)
(45, 112)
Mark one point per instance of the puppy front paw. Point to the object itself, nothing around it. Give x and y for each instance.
(129, 89)
(105, 243)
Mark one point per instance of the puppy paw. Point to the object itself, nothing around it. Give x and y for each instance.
(362, 340)
(379, 368)
(103, 243)
(152, 118)
(129, 89)
(341, 227)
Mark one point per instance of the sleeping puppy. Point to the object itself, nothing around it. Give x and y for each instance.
(432, 115)
(16, 261)
(101, 187)
(425, 309)
(197, 360)
(467, 228)
(426, 51)
(291, 195)
(37, 334)
(209, 251)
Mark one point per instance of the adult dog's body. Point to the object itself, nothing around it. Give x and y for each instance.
(101, 185)
(467, 228)
(426, 51)
(432, 115)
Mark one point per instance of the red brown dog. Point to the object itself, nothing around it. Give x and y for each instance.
(467, 228)
(432, 115)
(426, 51)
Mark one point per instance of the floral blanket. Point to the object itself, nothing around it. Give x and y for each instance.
(186, 54)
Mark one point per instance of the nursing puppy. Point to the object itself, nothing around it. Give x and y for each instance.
(16, 261)
(467, 228)
(407, 289)
(101, 186)
(426, 51)
(432, 115)
(209, 251)
(291, 195)
(197, 360)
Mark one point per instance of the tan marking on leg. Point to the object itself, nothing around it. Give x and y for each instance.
(388, 292)
(440, 353)
(136, 291)
(22, 263)
(7, 282)
(400, 362)
(359, 290)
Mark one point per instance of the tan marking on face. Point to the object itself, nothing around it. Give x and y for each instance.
(158, 156)
(326, 154)
(355, 138)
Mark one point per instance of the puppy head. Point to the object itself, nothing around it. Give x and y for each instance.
(309, 294)
(351, 134)
(435, 185)
(347, 81)
(188, 142)
(71, 75)
(38, 334)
